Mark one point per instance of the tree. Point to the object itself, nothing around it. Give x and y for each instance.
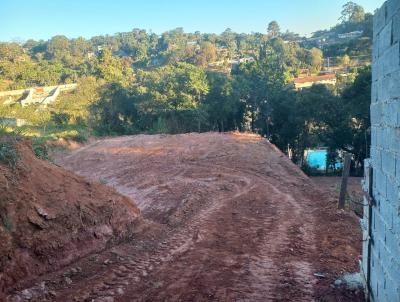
(274, 29)
(356, 101)
(223, 106)
(10, 51)
(228, 40)
(171, 96)
(317, 58)
(352, 13)
(58, 47)
(207, 54)
(251, 85)
(112, 69)
(345, 60)
(114, 111)
(77, 103)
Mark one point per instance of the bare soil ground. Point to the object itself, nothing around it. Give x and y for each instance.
(229, 218)
(331, 184)
(50, 217)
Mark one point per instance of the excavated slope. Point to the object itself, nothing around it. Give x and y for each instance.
(240, 222)
(51, 217)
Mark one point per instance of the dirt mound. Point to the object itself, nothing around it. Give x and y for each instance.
(240, 220)
(51, 217)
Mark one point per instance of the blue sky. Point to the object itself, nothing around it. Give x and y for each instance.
(42, 19)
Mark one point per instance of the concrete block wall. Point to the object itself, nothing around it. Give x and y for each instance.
(385, 157)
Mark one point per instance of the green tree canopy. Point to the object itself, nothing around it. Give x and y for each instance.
(274, 29)
(352, 13)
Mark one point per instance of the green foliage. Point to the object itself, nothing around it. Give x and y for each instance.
(40, 148)
(352, 13)
(60, 118)
(112, 113)
(111, 69)
(274, 29)
(222, 103)
(77, 103)
(169, 99)
(8, 152)
(206, 55)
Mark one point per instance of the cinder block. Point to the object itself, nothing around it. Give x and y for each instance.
(390, 60)
(373, 137)
(378, 275)
(393, 139)
(396, 222)
(393, 6)
(375, 50)
(379, 184)
(380, 136)
(379, 230)
(386, 85)
(383, 92)
(375, 275)
(380, 19)
(389, 164)
(384, 39)
(376, 114)
(391, 290)
(394, 109)
(386, 138)
(385, 154)
(392, 190)
(374, 92)
(389, 112)
(376, 158)
(386, 212)
(392, 284)
(393, 84)
(374, 70)
(396, 27)
(398, 168)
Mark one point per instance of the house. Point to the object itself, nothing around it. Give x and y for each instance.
(327, 79)
(351, 35)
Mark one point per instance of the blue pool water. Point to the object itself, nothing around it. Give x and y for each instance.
(317, 159)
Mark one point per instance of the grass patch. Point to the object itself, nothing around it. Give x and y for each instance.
(40, 148)
(8, 153)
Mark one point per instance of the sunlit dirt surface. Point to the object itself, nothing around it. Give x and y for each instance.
(230, 218)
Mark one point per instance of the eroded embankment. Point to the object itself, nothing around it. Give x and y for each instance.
(51, 217)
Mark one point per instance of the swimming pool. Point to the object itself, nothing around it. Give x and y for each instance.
(316, 159)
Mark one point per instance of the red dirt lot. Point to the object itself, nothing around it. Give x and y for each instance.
(227, 218)
(354, 199)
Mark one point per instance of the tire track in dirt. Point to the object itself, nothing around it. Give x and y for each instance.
(115, 281)
(261, 268)
(236, 222)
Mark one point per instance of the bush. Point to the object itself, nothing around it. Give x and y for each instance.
(79, 136)
(8, 153)
(40, 149)
(60, 118)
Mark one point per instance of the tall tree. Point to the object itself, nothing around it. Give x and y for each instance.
(274, 29)
(352, 13)
(207, 54)
(223, 106)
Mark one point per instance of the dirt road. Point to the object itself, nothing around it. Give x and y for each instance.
(230, 218)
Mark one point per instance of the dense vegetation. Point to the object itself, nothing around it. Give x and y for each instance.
(179, 82)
